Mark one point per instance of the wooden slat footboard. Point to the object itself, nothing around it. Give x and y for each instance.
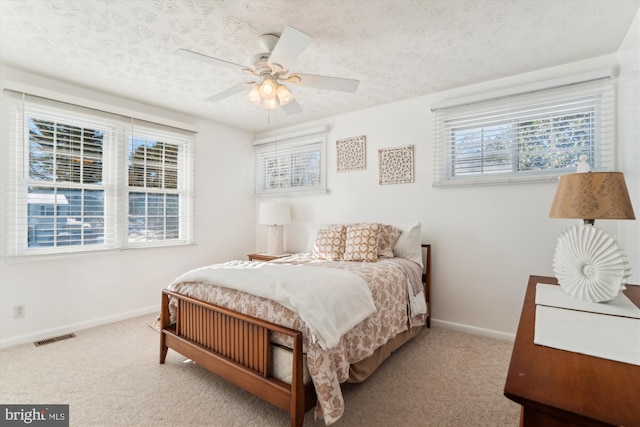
(237, 348)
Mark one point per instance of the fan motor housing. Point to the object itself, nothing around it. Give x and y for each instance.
(261, 63)
(268, 41)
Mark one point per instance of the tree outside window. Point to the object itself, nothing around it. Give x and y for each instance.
(535, 145)
(65, 193)
(154, 215)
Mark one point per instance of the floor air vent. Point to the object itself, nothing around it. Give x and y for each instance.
(54, 339)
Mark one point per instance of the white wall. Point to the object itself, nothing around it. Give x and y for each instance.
(629, 140)
(486, 240)
(67, 293)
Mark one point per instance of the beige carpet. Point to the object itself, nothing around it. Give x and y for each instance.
(110, 376)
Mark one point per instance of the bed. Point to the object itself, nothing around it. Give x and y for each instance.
(241, 321)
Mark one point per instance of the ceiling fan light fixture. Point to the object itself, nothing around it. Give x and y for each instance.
(270, 104)
(268, 88)
(269, 72)
(284, 96)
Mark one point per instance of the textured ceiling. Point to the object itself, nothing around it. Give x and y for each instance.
(397, 49)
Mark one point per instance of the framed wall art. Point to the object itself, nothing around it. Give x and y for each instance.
(395, 165)
(351, 154)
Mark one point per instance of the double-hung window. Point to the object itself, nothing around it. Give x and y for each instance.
(78, 179)
(530, 136)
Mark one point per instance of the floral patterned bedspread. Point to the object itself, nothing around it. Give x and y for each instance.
(387, 280)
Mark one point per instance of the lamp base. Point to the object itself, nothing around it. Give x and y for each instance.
(589, 264)
(275, 245)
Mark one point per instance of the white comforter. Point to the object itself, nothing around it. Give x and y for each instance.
(329, 301)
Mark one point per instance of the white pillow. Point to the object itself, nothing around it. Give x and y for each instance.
(313, 235)
(409, 244)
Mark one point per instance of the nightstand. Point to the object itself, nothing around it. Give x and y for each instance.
(563, 388)
(265, 257)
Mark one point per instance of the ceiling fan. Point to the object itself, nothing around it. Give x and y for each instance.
(270, 71)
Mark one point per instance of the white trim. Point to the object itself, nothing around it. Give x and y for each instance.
(93, 104)
(522, 89)
(291, 135)
(489, 333)
(54, 332)
(75, 327)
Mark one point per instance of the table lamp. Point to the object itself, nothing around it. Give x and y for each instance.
(274, 215)
(588, 262)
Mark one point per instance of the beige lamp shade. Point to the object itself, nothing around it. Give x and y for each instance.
(591, 196)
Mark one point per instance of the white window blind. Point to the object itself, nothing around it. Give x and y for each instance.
(68, 179)
(525, 137)
(291, 166)
(159, 182)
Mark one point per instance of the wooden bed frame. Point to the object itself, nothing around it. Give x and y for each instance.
(237, 347)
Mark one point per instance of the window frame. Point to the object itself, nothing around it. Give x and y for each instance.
(594, 97)
(17, 179)
(182, 190)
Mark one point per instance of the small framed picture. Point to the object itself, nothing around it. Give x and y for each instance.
(395, 165)
(351, 154)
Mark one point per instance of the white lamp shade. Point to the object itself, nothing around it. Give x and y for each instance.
(268, 88)
(254, 95)
(270, 104)
(284, 96)
(274, 213)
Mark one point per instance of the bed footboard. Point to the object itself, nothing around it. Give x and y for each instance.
(237, 348)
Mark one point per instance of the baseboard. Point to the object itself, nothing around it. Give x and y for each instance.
(490, 333)
(36, 336)
(62, 330)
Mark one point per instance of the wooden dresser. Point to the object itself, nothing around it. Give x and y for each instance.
(562, 388)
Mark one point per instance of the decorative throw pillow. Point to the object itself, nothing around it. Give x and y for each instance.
(330, 243)
(362, 242)
(387, 240)
(409, 243)
(313, 235)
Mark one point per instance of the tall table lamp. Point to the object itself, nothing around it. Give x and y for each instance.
(588, 262)
(274, 215)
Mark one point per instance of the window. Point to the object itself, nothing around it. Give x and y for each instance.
(153, 189)
(65, 189)
(533, 136)
(292, 166)
(80, 179)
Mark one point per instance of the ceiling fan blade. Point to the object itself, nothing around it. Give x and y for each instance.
(324, 82)
(208, 59)
(227, 93)
(291, 44)
(292, 107)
